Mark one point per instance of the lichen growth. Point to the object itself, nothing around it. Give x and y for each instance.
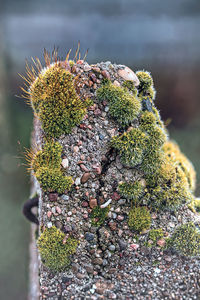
(46, 165)
(55, 101)
(98, 215)
(124, 107)
(55, 251)
(139, 219)
(186, 240)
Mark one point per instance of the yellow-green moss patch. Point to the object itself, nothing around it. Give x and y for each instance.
(124, 107)
(139, 219)
(55, 251)
(56, 102)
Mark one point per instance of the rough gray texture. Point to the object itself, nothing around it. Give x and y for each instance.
(110, 262)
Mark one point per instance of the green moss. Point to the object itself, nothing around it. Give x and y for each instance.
(50, 155)
(155, 235)
(132, 190)
(186, 240)
(98, 215)
(131, 146)
(146, 85)
(197, 204)
(53, 180)
(130, 86)
(123, 106)
(172, 150)
(55, 252)
(139, 219)
(46, 165)
(55, 101)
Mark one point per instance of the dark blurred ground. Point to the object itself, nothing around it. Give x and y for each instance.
(161, 37)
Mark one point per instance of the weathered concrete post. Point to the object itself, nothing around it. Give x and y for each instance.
(116, 205)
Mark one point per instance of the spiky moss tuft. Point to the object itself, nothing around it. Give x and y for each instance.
(50, 155)
(55, 251)
(146, 85)
(131, 146)
(155, 235)
(55, 101)
(186, 240)
(129, 84)
(173, 151)
(98, 215)
(124, 107)
(139, 219)
(53, 180)
(132, 190)
(46, 165)
(167, 186)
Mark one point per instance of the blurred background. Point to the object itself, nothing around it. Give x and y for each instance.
(159, 36)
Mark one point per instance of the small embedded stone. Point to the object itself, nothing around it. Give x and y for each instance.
(84, 204)
(161, 242)
(84, 168)
(98, 261)
(58, 209)
(115, 196)
(49, 213)
(89, 236)
(105, 74)
(53, 196)
(65, 163)
(76, 149)
(93, 77)
(87, 68)
(85, 177)
(120, 218)
(116, 83)
(67, 228)
(128, 74)
(93, 202)
(112, 225)
(134, 246)
(122, 244)
(80, 276)
(74, 267)
(78, 181)
(89, 269)
(111, 247)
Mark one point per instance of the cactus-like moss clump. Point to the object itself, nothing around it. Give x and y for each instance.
(98, 215)
(123, 106)
(145, 88)
(131, 146)
(186, 240)
(55, 101)
(130, 86)
(173, 151)
(55, 251)
(132, 190)
(46, 165)
(139, 219)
